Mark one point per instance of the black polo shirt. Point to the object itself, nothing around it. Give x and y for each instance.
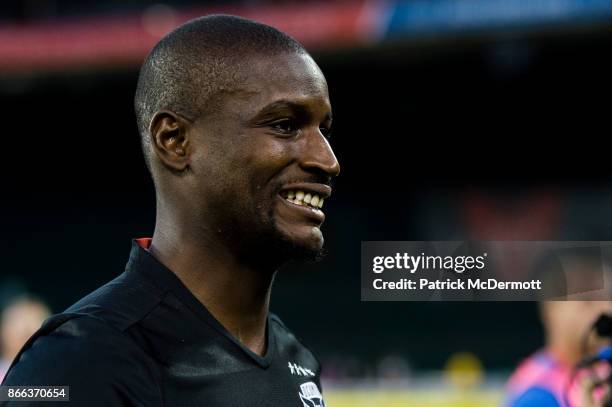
(144, 340)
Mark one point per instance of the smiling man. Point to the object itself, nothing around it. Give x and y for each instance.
(234, 118)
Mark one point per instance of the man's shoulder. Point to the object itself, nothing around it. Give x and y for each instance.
(535, 397)
(70, 335)
(538, 380)
(101, 364)
(291, 345)
(281, 330)
(93, 331)
(121, 302)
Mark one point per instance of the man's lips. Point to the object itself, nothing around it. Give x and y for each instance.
(306, 199)
(321, 190)
(315, 215)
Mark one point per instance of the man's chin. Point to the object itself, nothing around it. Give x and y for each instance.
(272, 247)
(304, 246)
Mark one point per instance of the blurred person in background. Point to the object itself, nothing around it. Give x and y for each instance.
(545, 378)
(577, 294)
(20, 318)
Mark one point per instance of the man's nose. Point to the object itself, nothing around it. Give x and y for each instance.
(318, 155)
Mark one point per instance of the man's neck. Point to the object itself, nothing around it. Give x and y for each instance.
(236, 295)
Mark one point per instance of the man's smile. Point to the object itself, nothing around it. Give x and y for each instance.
(306, 199)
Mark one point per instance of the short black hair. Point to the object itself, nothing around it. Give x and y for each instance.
(192, 65)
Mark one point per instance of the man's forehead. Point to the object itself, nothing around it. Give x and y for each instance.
(285, 79)
(290, 66)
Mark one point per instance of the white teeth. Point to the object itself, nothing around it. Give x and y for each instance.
(305, 199)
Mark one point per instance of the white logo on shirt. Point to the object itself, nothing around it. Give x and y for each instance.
(298, 370)
(310, 395)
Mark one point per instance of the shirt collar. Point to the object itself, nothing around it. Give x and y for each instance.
(144, 263)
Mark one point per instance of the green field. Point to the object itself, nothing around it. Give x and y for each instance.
(412, 398)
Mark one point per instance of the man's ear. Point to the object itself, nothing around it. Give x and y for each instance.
(169, 139)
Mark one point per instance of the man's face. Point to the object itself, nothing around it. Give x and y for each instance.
(262, 162)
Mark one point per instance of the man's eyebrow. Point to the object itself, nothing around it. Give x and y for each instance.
(297, 107)
(282, 104)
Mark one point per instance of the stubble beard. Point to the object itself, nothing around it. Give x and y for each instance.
(266, 246)
(289, 249)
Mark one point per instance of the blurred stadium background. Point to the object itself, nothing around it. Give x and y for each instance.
(454, 119)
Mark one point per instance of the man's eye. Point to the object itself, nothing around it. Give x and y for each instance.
(285, 126)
